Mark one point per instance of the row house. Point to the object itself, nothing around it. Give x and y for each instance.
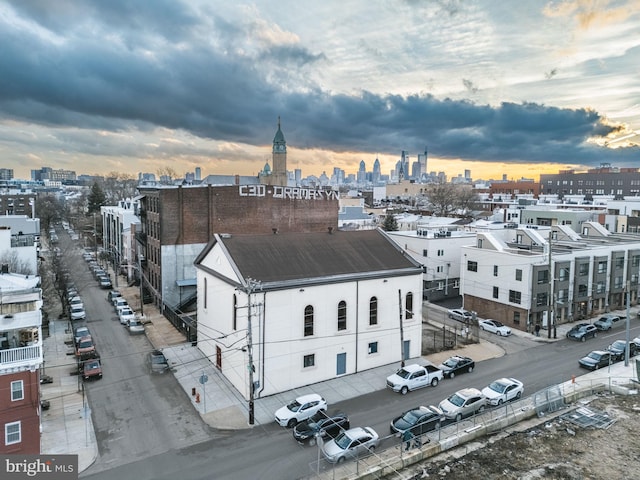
(21, 357)
(521, 280)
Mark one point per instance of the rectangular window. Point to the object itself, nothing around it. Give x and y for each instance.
(373, 347)
(309, 360)
(424, 253)
(600, 287)
(518, 275)
(582, 290)
(514, 297)
(472, 266)
(439, 269)
(440, 285)
(620, 262)
(516, 318)
(12, 433)
(495, 292)
(17, 390)
(495, 270)
(541, 299)
(635, 261)
(617, 282)
(543, 276)
(563, 274)
(440, 253)
(584, 269)
(602, 267)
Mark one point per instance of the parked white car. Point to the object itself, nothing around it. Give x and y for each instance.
(300, 409)
(125, 315)
(503, 390)
(120, 303)
(135, 327)
(77, 313)
(494, 326)
(463, 403)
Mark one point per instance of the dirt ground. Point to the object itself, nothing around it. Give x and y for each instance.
(555, 449)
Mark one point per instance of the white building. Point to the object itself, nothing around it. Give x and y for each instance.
(584, 274)
(306, 307)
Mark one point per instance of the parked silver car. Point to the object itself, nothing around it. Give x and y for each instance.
(353, 443)
(463, 403)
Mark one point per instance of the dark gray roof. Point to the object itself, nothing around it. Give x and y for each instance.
(305, 256)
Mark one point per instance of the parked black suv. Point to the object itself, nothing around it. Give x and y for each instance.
(322, 424)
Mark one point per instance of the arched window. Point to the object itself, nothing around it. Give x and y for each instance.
(408, 306)
(235, 312)
(342, 315)
(373, 311)
(308, 321)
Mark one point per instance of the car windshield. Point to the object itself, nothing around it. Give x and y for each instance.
(343, 441)
(158, 359)
(411, 417)
(451, 362)
(92, 366)
(619, 344)
(403, 373)
(456, 399)
(498, 386)
(86, 344)
(294, 406)
(498, 324)
(594, 356)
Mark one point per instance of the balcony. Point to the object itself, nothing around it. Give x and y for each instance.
(21, 357)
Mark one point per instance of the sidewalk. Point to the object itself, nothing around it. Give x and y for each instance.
(66, 425)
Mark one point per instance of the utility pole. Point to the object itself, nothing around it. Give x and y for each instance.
(551, 318)
(401, 329)
(250, 289)
(626, 348)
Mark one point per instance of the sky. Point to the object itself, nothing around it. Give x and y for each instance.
(499, 88)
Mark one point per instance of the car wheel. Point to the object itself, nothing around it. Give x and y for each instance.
(582, 339)
(518, 395)
(434, 382)
(458, 417)
(470, 369)
(596, 367)
(500, 402)
(404, 390)
(481, 409)
(451, 375)
(481, 328)
(595, 334)
(436, 426)
(372, 448)
(312, 442)
(340, 459)
(292, 423)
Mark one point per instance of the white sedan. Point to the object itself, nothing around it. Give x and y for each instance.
(125, 315)
(503, 390)
(300, 409)
(494, 326)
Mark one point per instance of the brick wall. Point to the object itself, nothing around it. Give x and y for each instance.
(193, 215)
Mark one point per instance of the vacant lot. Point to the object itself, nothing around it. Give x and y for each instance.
(556, 449)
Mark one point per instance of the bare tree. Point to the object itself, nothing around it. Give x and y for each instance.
(119, 186)
(445, 199)
(15, 263)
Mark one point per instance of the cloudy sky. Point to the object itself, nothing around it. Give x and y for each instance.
(514, 88)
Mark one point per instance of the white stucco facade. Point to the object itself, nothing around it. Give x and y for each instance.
(284, 357)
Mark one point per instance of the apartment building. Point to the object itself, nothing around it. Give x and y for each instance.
(538, 271)
(605, 180)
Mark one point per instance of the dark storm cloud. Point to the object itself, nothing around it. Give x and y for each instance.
(215, 89)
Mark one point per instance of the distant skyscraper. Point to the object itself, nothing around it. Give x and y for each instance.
(467, 174)
(198, 173)
(422, 159)
(362, 173)
(376, 171)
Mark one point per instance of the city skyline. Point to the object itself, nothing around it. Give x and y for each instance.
(138, 86)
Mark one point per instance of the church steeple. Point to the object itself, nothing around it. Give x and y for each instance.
(279, 174)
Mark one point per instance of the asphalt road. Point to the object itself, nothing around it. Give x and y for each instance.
(147, 428)
(135, 414)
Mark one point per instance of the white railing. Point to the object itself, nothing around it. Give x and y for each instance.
(15, 356)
